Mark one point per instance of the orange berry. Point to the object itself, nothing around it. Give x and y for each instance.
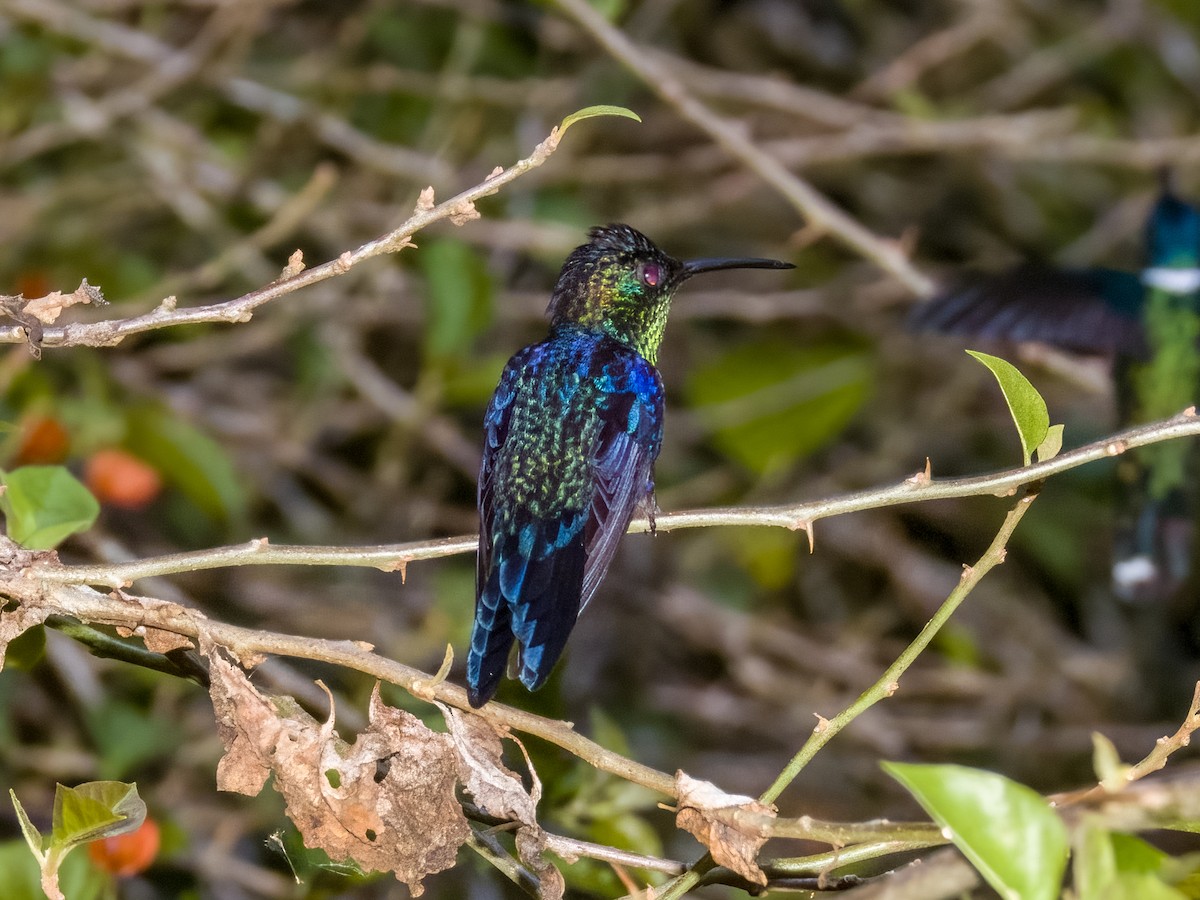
(120, 479)
(126, 854)
(44, 441)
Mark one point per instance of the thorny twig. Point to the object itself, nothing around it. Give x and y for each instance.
(458, 209)
(796, 516)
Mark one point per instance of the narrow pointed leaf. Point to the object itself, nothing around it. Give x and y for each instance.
(591, 112)
(1106, 763)
(1024, 402)
(1006, 830)
(460, 297)
(33, 837)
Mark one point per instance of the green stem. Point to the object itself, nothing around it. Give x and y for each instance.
(889, 682)
(884, 687)
(824, 862)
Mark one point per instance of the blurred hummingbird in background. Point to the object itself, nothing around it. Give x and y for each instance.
(1149, 322)
(571, 436)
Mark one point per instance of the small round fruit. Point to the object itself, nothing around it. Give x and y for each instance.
(120, 479)
(127, 854)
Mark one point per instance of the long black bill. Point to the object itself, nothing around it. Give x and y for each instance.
(697, 266)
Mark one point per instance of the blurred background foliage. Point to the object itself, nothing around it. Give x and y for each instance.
(187, 147)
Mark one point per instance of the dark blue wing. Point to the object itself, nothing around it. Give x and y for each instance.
(1083, 310)
(621, 455)
(624, 465)
(491, 636)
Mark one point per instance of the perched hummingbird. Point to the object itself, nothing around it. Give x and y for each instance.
(572, 433)
(1150, 323)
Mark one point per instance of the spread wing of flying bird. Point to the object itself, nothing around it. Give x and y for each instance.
(1083, 310)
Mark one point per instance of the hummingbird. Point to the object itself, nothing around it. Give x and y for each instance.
(1148, 322)
(570, 439)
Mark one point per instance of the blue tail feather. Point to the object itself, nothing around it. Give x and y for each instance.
(491, 640)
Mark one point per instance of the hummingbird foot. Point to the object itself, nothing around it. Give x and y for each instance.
(649, 505)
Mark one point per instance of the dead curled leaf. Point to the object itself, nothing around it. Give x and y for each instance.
(718, 820)
(157, 640)
(500, 792)
(386, 802)
(47, 309)
(496, 789)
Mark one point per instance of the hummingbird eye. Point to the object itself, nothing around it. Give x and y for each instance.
(649, 274)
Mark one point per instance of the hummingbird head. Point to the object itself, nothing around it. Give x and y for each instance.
(1173, 234)
(621, 284)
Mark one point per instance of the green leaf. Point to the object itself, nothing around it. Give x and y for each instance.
(769, 403)
(1006, 830)
(1024, 402)
(1134, 856)
(1113, 866)
(1191, 826)
(769, 557)
(1049, 448)
(458, 305)
(1142, 887)
(1106, 763)
(1094, 864)
(188, 459)
(43, 505)
(91, 811)
(94, 810)
(470, 380)
(591, 112)
(33, 837)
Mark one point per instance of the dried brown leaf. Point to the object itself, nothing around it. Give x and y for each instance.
(495, 788)
(47, 309)
(500, 792)
(729, 825)
(159, 641)
(386, 801)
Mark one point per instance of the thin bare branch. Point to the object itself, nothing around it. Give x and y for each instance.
(132, 44)
(138, 614)
(794, 517)
(241, 309)
(820, 212)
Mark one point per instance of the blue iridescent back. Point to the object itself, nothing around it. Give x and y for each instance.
(572, 433)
